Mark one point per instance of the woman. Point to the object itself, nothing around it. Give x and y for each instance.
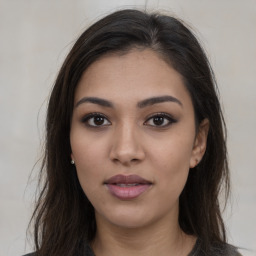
(135, 154)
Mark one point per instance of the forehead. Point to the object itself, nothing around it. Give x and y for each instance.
(134, 75)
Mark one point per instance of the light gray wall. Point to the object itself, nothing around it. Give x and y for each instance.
(34, 39)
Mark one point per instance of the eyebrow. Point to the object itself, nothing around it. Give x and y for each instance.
(156, 100)
(141, 104)
(95, 100)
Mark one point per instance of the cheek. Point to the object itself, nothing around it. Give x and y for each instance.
(89, 172)
(171, 163)
(173, 153)
(88, 150)
(89, 157)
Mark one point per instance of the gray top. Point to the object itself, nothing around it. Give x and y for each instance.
(217, 249)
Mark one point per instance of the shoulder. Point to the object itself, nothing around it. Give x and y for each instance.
(222, 249)
(87, 251)
(216, 249)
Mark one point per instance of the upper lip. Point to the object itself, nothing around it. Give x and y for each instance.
(127, 179)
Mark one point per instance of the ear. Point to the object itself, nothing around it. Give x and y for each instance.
(200, 143)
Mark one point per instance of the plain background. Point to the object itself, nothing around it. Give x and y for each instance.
(35, 36)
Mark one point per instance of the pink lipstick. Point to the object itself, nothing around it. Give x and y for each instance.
(127, 187)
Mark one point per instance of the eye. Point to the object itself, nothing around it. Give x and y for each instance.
(160, 120)
(96, 120)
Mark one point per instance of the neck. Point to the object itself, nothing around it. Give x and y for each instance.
(156, 239)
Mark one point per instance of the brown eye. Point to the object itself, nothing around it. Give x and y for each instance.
(160, 120)
(96, 120)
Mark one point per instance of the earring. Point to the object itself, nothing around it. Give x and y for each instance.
(72, 161)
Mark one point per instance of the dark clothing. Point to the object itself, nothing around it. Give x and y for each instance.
(216, 250)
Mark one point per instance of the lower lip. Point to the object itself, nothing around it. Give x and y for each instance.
(127, 193)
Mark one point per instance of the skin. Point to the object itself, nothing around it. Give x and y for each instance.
(128, 140)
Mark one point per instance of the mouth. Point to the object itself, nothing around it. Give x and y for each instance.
(127, 187)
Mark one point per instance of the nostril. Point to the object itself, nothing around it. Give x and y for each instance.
(126, 152)
(116, 160)
(126, 161)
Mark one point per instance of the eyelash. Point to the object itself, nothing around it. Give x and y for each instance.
(165, 118)
(90, 116)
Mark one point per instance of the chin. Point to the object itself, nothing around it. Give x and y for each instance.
(126, 219)
(130, 223)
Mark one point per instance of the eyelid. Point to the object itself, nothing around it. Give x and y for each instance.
(169, 117)
(87, 117)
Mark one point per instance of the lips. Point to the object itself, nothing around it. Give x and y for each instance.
(127, 187)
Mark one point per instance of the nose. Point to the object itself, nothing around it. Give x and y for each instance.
(126, 146)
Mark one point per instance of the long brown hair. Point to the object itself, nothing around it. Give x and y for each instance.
(64, 219)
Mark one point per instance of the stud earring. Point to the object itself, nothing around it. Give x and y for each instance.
(72, 161)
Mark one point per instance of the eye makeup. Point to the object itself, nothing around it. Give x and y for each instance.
(160, 120)
(95, 120)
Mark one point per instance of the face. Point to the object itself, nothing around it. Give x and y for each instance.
(133, 138)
